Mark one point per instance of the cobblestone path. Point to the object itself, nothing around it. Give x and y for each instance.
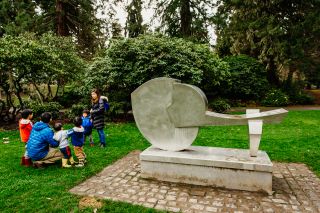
(296, 189)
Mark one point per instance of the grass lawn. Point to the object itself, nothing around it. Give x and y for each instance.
(31, 190)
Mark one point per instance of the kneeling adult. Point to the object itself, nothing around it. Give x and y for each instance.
(41, 143)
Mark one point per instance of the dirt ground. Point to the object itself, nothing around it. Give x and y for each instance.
(89, 202)
(8, 126)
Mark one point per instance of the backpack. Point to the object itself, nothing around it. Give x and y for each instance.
(105, 105)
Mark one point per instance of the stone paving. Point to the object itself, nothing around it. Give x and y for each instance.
(296, 189)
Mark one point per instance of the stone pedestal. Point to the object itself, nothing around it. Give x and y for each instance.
(220, 167)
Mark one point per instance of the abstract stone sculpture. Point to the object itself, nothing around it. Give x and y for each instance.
(168, 114)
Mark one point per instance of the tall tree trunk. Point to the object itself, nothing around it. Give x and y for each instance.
(290, 75)
(2, 108)
(18, 91)
(49, 93)
(272, 74)
(61, 28)
(11, 81)
(57, 91)
(41, 96)
(8, 98)
(186, 18)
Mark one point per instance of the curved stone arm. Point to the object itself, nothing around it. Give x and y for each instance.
(219, 119)
(188, 108)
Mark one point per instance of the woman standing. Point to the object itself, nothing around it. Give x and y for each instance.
(97, 115)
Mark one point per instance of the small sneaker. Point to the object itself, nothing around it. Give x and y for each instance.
(91, 144)
(102, 145)
(80, 164)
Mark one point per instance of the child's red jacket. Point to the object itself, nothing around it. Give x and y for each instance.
(25, 127)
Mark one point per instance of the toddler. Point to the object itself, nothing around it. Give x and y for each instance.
(25, 127)
(87, 125)
(77, 140)
(62, 137)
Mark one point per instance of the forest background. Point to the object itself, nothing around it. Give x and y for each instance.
(52, 53)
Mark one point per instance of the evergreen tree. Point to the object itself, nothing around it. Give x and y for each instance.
(134, 21)
(116, 29)
(185, 18)
(73, 18)
(17, 16)
(284, 35)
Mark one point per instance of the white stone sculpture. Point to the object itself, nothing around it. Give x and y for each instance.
(169, 113)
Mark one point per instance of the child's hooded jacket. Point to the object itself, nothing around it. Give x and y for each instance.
(87, 125)
(25, 127)
(77, 136)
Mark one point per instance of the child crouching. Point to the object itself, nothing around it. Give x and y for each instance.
(77, 140)
(62, 137)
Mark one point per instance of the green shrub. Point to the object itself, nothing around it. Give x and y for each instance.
(219, 105)
(275, 97)
(237, 103)
(248, 80)
(117, 110)
(302, 99)
(77, 110)
(44, 60)
(38, 108)
(296, 93)
(69, 98)
(243, 103)
(128, 63)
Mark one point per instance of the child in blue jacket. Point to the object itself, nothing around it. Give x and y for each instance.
(87, 125)
(77, 140)
(40, 141)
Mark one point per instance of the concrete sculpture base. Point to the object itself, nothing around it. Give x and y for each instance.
(220, 167)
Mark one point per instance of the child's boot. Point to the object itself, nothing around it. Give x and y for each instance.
(80, 164)
(28, 162)
(91, 141)
(23, 161)
(72, 162)
(65, 163)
